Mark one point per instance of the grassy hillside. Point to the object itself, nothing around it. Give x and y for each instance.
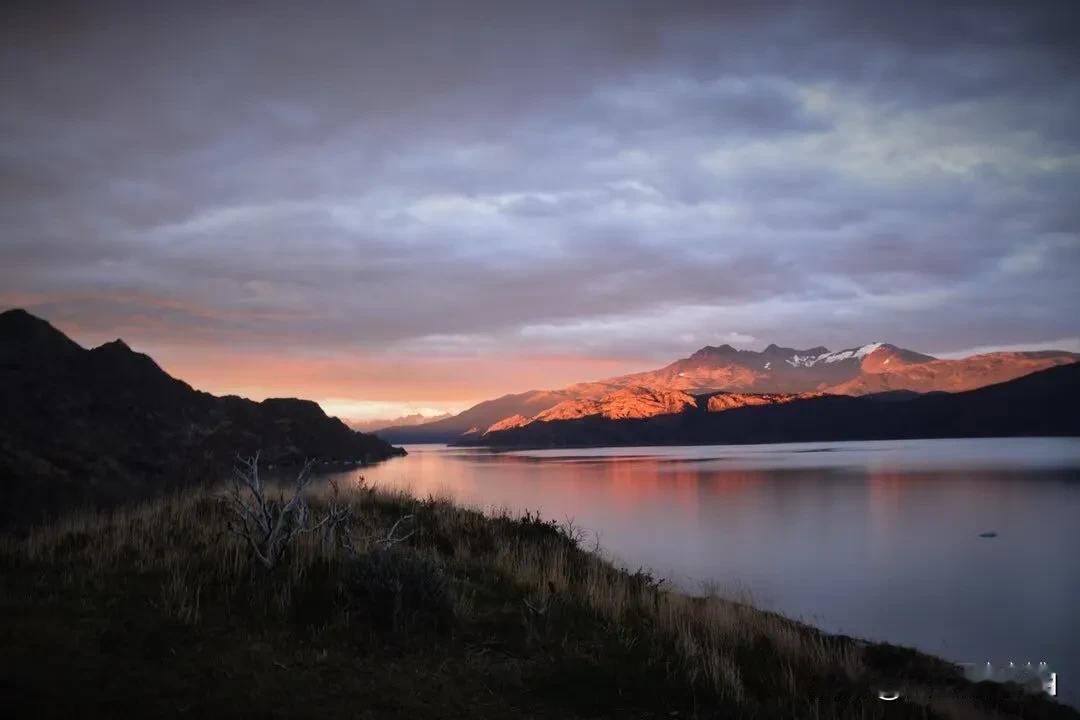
(157, 611)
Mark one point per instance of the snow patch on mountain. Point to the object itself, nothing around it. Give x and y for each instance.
(856, 353)
(804, 360)
(831, 357)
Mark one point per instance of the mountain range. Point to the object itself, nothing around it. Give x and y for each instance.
(1040, 404)
(405, 420)
(104, 425)
(735, 378)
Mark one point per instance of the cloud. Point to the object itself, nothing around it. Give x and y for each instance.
(1069, 344)
(614, 181)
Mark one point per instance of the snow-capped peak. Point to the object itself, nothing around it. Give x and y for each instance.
(857, 353)
(831, 357)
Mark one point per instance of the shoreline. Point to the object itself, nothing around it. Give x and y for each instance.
(514, 600)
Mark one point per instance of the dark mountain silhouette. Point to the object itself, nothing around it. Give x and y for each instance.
(1040, 404)
(106, 425)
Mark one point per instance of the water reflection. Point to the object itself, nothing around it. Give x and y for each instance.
(877, 539)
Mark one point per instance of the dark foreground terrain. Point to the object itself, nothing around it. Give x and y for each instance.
(157, 611)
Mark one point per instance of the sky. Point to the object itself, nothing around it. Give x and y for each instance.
(392, 207)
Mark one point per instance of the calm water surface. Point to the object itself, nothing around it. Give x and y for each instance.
(876, 539)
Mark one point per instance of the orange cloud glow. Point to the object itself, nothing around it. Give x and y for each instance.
(373, 386)
(204, 352)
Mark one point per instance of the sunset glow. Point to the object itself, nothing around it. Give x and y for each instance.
(545, 358)
(417, 225)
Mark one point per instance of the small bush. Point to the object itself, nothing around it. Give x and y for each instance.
(399, 588)
(314, 595)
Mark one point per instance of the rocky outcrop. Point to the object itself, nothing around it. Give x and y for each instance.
(632, 402)
(730, 401)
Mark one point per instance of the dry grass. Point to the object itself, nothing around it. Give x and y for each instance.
(520, 585)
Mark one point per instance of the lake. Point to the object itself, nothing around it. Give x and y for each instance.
(876, 539)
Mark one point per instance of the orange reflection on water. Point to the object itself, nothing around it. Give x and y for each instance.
(647, 487)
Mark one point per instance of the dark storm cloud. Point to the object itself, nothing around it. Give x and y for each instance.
(605, 177)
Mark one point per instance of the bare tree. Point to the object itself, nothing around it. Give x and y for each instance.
(269, 525)
(390, 540)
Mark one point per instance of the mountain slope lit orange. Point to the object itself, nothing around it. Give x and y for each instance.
(626, 403)
(730, 401)
(641, 402)
(736, 378)
(953, 375)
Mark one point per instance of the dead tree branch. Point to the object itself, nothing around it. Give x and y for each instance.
(388, 541)
(269, 526)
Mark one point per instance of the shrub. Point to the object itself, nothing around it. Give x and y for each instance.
(399, 588)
